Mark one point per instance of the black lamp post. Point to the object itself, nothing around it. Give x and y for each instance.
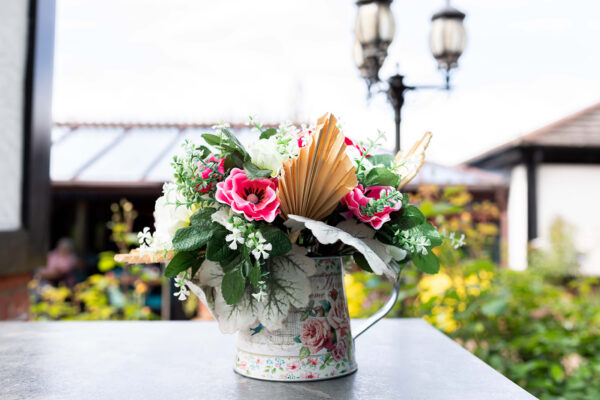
(374, 31)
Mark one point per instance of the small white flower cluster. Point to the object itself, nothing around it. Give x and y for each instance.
(261, 295)
(457, 242)
(242, 233)
(145, 238)
(412, 244)
(238, 229)
(183, 292)
(258, 245)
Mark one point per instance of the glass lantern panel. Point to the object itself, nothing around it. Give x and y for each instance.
(387, 26)
(365, 27)
(448, 37)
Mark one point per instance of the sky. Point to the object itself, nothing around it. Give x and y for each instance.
(527, 63)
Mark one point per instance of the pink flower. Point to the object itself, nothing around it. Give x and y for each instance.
(210, 170)
(361, 149)
(256, 199)
(293, 365)
(338, 319)
(312, 361)
(303, 137)
(310, 375)
(316, 334)
(359, 197)
(334, 294)
(339, 351)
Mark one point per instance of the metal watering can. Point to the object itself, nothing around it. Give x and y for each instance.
(315, 342)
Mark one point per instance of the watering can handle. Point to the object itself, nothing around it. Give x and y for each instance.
(383, 311)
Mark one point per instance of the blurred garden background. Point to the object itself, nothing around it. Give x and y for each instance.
(514, 164)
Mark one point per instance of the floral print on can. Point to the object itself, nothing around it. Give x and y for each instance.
(314, 343)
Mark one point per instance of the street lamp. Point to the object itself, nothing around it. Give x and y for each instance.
(374, 31)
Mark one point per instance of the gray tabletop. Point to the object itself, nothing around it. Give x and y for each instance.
(397, 359)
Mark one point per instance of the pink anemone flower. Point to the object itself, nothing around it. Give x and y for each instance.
(359, 198)
(256, 199)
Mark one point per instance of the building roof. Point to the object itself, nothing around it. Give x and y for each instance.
(580, 130)
(137, 156)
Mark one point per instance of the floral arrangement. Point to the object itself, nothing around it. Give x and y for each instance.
(239, 224)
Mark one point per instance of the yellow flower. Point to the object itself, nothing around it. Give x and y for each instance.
(355, 291)
(433, 285)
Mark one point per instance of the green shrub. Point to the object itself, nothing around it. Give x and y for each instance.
(540, 328)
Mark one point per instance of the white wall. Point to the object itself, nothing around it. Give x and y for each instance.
(572, 192)
(13, 44)
(517, 218)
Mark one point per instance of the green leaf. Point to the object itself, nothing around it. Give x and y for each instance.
(268, 133)
(362, 262)
(383, 159)
(430, 232)
(234, 140)
(181, 262)
(196, 266)
(212, 140)
(217, 248)
(203, 217)
(234, 159)
(254, 274)
(557, 373)
(494, 308)
(414, 214)
(232, 262)
(278, 239)
(297, 339)
(410, 218)
(381, 176)
(233, 286)
(191, 238)
(254, 172)
(304, 352)
(426, 263)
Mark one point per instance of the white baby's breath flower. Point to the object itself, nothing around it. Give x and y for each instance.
(260, 296)
(422, 244)
(183, 292)
(145, 237)
(262, 250)
(460, 242)
(234, 237)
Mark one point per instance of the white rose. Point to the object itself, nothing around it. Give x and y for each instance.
(168, 217)
(264, 154)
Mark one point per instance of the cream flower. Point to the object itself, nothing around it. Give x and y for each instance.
(265, 154)
(168, 217)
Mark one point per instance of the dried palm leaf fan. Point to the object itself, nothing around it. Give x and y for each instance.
(411, 162)
(135, 256)
(312, 184)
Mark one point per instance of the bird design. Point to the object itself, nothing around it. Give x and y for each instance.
(255, 331)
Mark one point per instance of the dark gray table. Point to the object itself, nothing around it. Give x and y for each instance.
(397, 359)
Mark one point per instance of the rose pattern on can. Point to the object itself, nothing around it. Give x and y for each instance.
(315, 342)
